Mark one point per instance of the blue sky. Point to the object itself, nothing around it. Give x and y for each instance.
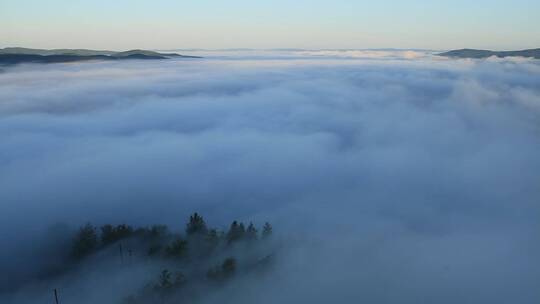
(123, 24)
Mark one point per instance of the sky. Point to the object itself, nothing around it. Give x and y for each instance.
(316, 24)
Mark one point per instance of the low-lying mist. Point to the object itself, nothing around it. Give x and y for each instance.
(401, 178)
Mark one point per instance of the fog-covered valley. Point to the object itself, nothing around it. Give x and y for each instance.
(388, 176)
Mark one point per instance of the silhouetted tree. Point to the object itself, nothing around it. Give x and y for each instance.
(158, 231)
(212, 240)
(85, 241)
(236, 232)
(228, 267)
(267, 230)
(201, 244)
(226, 270)
(164, 287)
(164, 281)
(111, 234)
(251, 232)
(155, 236)
(177, 248)
(158, 292)
(123, 231)
(107, 232)
(196, 225)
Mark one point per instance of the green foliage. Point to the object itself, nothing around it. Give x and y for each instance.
(236, 232)
(111, 234)
(267, 230)
(155, 236)
(158, 231)
(251, 232)
(196, 225)
(164, 282)
(199, 246)
(85, 242)
(177, 249)
(167, 285)
(229, 267)
(226, 270)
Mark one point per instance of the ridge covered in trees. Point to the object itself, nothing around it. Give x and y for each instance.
(90, 239)
(198, 256)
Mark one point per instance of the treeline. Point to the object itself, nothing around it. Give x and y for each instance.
(198, 256)
(161, 241)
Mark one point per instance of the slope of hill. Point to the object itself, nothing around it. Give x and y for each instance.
(43, 52)
(198, 261)
(472, 53)
(14, 55)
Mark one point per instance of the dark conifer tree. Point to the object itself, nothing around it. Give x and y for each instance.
(110, 234)
(177, 249)
(196, 225)
(267, 230)
(251, 232)
(165, 280)
(235, 232)
(107, 234)
(158, 231)
(85, 241)
(228, 267)
(123, 231)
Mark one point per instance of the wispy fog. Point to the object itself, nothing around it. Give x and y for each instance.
(390, 176)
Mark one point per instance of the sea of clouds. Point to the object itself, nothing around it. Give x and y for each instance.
(393, 176)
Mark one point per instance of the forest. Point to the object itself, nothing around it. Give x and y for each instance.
(195, 262)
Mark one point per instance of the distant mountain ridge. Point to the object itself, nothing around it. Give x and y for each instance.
(472, 53)
(14, 55)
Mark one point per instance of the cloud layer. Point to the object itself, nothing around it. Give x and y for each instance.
(397, 179)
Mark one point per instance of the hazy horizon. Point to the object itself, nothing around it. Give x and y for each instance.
(422, 171)
(263, 49)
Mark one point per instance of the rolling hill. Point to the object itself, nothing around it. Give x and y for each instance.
(472, 53)
(15, 55)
